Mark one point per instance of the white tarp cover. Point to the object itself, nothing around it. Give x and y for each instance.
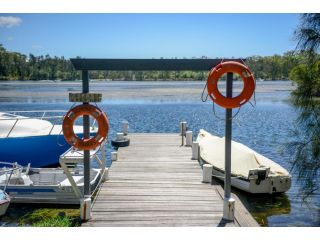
(243, 158)
(24, 127)
(27, 127)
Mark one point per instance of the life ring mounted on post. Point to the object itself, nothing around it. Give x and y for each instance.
(90, 143)
(234, 67)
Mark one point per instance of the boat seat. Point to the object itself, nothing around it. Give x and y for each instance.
(66, 182)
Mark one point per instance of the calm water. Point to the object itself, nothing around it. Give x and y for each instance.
(265, 128)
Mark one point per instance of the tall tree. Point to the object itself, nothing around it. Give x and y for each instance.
(305, 149)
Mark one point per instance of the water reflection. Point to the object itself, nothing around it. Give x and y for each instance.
(264, 206)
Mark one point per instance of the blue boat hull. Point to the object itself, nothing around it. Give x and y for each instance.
(40, 151)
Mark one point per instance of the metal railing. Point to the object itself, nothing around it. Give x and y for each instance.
(42, 115)
(11, 168)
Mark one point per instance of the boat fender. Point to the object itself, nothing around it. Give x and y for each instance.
(125, 142)
(234, 67)
(90, 143)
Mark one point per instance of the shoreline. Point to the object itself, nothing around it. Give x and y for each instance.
(128, 90)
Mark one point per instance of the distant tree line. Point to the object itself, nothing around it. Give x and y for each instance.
(17, 66)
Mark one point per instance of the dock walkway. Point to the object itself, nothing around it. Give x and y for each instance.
(154, 182)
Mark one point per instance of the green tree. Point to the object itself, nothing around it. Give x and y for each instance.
(305, 150)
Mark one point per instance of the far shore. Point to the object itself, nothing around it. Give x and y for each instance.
(120, 90)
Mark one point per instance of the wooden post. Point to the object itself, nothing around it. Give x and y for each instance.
(207, 173)
(195, 151)
(125, 127)
(183, 129)
(114, 156)
(188, 138)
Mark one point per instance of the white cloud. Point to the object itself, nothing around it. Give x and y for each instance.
(9, 21)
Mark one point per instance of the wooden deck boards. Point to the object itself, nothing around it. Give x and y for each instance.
(155, 183)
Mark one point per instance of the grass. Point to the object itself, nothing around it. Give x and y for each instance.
(55, 222)
(51, 217)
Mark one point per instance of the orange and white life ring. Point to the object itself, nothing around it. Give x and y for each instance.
(234, 67)
(90, 143)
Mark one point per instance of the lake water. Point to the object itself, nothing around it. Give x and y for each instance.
(160, 106)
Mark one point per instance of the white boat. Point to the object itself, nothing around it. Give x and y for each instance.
(250, 171)
(4, 197)
(4, 202)
(34, 138)
(53, 185)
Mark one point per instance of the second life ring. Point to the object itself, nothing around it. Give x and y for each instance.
(234, 67)
(90, 143)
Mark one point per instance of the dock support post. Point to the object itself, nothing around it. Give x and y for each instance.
(86, 153)
(195, 151)
(120, 136)
(85, 209)
(103, 160)
(183, 129)
(228, 203)
(188, 138)
(114, 156)
(207, 173)
(125, 127)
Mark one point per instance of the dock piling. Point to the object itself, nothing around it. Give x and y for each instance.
(195, 150)
(85, 209)
(207, 173)
(120, 136)
(188, 138)
(114, 156)
(125, 127)
(183, 129)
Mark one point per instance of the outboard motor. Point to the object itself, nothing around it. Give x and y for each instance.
(259, 174)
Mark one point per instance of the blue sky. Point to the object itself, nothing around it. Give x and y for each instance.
(148, 35)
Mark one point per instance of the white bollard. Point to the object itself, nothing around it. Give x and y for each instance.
(195, 151)
(183, 128)
(105, 176)
(114, 156)
(125, 127)
(228, 209)
(85, 209)
(120, 136)
(207, 173)
(188, 138)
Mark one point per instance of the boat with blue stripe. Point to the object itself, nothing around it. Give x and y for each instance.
(34, 138)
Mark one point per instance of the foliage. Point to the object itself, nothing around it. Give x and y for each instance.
(308, 33)
(50, 217)
(305, 150)
(55, 222)
(16, 66)
(274, 67)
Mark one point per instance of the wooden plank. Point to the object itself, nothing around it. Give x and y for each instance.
(161, 187)
(167, 223)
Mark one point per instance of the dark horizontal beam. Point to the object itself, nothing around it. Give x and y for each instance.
(146, 64)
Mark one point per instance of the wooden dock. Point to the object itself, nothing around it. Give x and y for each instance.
(155, 183)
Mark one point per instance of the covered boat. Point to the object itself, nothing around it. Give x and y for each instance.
(32, 140)
(250, 171)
